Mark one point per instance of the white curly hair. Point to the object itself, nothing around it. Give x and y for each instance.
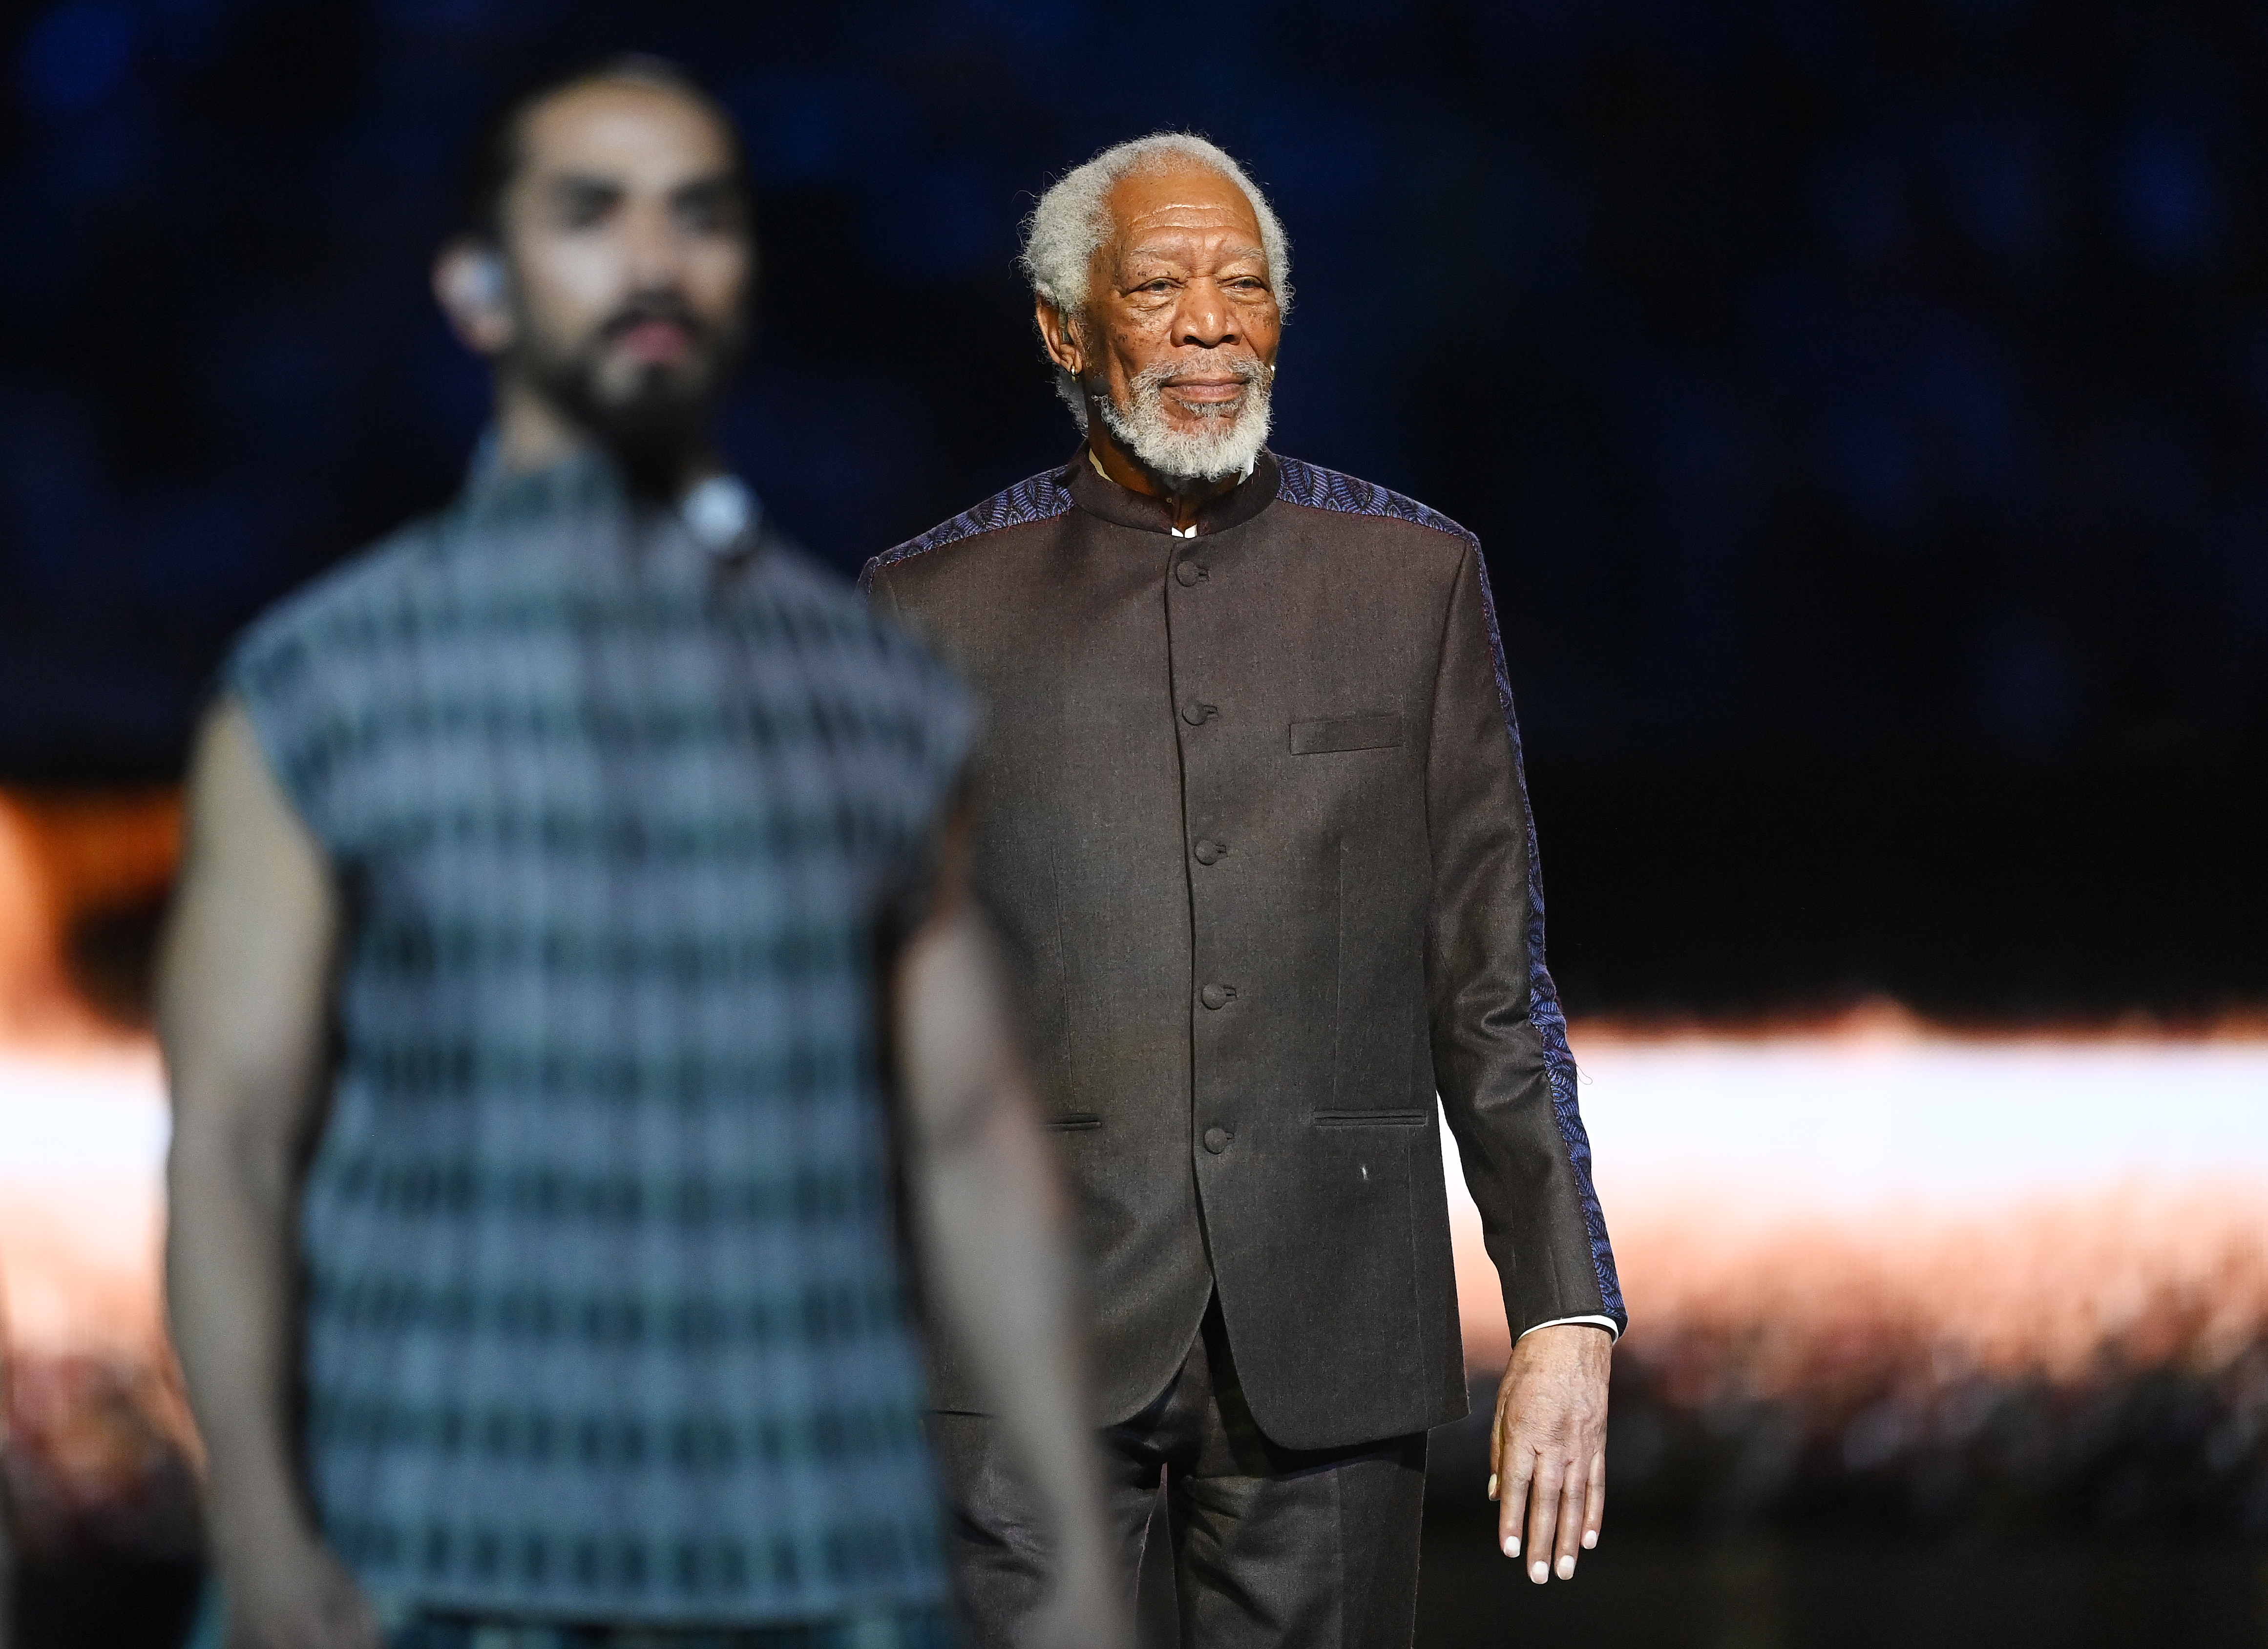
(1073, 218)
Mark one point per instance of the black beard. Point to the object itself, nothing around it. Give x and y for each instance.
(652, 432)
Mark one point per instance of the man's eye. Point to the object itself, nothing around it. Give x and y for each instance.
(709, 212)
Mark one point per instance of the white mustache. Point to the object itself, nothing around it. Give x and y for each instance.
(1247, 369)
(1227, 437)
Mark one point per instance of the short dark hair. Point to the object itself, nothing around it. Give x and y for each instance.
(497, 153)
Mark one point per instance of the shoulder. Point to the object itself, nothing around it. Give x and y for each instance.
(338, 611)
(825, 611)
(1311, 487)
(308, 671)
(821, 602)
(1034, 499)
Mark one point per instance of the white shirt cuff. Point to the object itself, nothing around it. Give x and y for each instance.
(1608, 1323)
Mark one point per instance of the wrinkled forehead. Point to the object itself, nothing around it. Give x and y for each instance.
(1176, 202)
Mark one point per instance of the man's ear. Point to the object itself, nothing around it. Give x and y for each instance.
(474, 291)
(1061, 333)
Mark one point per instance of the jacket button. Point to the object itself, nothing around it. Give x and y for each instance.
(1196, 713)
(1186, 573)
(1210, 852)
(1216, 996)
(1216, 1140)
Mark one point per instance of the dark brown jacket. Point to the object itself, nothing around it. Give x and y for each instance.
(1254, 825)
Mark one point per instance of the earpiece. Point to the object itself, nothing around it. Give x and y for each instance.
(484, 278)
(474, 290)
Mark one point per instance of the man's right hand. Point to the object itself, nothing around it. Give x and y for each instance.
(289, 1592)
(1548, 1448)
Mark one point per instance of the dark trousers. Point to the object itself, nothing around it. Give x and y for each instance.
(1290, 1548)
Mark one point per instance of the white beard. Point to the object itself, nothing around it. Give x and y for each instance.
(1226, 442)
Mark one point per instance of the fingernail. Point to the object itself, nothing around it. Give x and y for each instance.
(1512, 1545)
(1491, 1485)
(1590, 1540)
(1537, 1572)
(1566, 1568)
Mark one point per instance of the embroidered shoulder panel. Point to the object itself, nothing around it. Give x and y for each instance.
(1321, 489)
(1039, 497)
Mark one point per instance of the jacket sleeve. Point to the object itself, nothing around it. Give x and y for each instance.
(1499, 1039)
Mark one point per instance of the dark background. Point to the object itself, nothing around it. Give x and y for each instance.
(1862, 403)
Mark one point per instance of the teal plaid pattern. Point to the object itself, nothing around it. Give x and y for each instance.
(604, 1318)
(893, 1628)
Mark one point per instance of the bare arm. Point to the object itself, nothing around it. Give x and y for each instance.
(243, 1011)
(991, 1219)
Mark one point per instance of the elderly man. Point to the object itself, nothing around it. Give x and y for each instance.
(560, 869)
(1253, 821)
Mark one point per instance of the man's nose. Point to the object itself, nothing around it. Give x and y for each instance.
(1206, 320)
(657, 251)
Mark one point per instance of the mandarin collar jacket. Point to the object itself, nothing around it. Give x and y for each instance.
(1253, 824)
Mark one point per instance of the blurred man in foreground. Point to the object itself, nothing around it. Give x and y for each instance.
(556, 870)
(1254, 822)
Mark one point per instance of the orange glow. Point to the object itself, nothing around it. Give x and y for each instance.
(79, 1265)
(1739, 1287)
(100, 1447)
(1749, 1302)
(61, 858)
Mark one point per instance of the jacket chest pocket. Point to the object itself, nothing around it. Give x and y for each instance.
(1323, 735)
